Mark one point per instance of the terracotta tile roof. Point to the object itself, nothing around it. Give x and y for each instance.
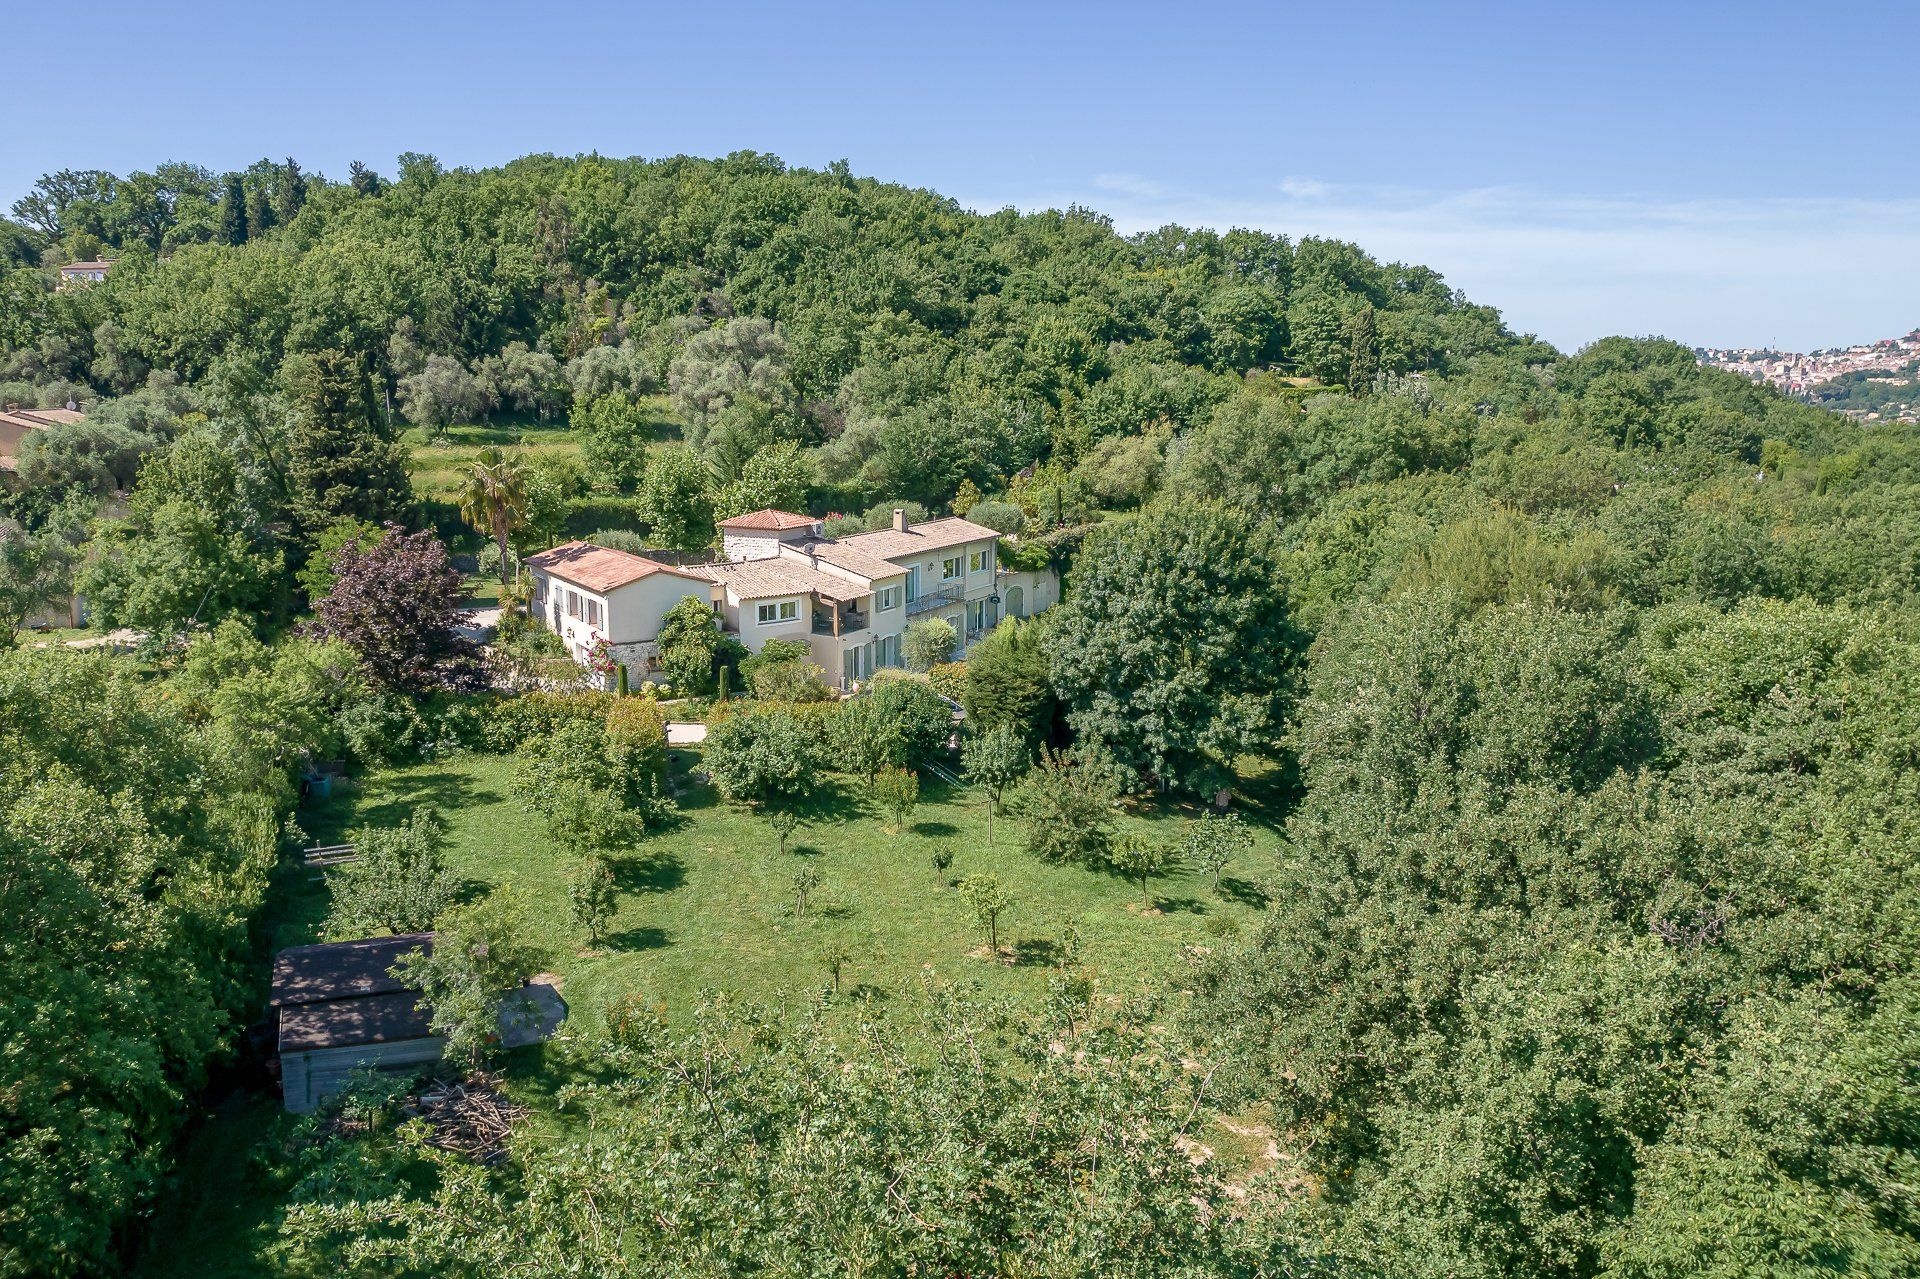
(763, 579)
(767, 520)
(934, 535)
(853, 559)
(600, 568)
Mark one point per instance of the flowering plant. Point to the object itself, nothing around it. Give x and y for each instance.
(600, 659)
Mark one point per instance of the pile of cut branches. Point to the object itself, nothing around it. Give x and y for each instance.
(471, 1117)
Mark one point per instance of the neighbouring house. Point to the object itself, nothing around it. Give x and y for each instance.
(849, 598)
(594, 595)
(341, 1010)
(16, 424)
(85, 272)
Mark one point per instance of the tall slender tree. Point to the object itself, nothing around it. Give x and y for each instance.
(344, 461)
(233, 212)
(291, 192)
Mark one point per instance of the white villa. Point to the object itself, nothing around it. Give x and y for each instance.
(848, 598)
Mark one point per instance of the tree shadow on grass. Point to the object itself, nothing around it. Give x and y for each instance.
(832, 802)
(805, 850)
(935, 830)
(469, 891)
(869, 992)
(1033, 952)
(652, 873)
(695, 796)
(1267, 796)
(448, 790)
(1244, 891)
(1191, 905)
(638, 939)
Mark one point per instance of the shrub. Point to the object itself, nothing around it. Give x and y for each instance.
(949, 679)
(619, 539)
(512, 720)
(398, 879)
(896, 791)
(762, 756)
(386, 728)
(1069, 811)
(1001, 517)
(928, 642)
(896, 722)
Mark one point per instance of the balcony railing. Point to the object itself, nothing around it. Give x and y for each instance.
(939, 597)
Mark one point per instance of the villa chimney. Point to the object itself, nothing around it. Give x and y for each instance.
(899, 519)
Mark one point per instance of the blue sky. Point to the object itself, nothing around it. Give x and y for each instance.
(1717, 173)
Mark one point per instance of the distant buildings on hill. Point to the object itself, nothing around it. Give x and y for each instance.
(1892, 363)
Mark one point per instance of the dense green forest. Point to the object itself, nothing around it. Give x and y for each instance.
(1591, 944)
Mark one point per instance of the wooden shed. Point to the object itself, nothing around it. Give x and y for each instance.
(340, 1010)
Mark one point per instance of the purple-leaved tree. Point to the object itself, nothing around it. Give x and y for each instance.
(396, 603)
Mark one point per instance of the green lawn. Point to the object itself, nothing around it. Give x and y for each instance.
(438, 465)
(709, 903)
(706, 905)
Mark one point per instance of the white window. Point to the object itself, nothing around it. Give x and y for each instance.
(949, 569)
(593, 612)
(913, 585)
(573, 605)
(977, 562)
(784, 611)
(888, 597)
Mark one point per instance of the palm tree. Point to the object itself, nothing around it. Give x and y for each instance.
(493, 498)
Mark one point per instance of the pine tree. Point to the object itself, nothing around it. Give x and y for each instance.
(344, 462)
(259, 212)
(291, 193)
(233, 212)
(363, 179)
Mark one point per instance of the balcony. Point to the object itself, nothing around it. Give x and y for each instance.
(941, 597)
(840, 621)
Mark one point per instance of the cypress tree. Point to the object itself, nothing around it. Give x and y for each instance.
(344, 462)
(233, 212)
(291, 192)
(1364, 359)
(259, 212)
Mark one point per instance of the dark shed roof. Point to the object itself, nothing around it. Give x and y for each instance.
(366, 1019)
(341, 969)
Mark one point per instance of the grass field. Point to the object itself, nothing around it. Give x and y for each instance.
(438, 465)
(708, 905)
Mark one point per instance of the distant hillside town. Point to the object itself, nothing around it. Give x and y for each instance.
(1872, 381)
